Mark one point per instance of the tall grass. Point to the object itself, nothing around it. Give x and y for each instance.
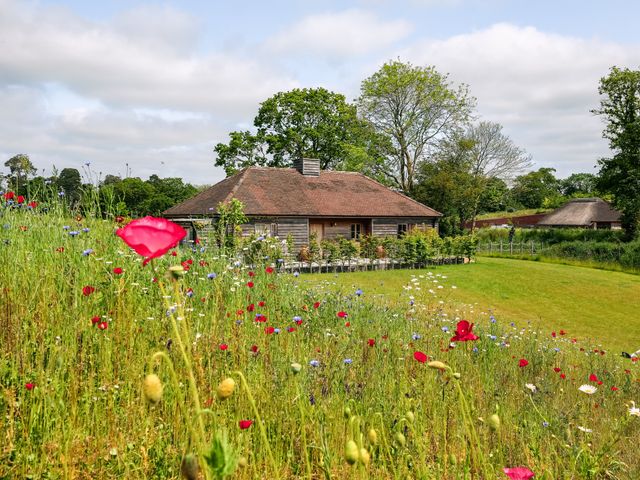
(71, 403)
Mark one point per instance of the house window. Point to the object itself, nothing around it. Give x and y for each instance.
(356, 231)
(274, 230)
(402, 229)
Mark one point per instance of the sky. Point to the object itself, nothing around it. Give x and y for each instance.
(141, 88)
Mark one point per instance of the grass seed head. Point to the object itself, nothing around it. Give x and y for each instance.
(152, 388)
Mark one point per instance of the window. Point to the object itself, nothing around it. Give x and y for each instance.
(274, 230)
(402, 229)
(356, 231)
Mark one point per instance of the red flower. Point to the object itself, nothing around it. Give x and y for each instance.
(254, 348)
(9, 196)
(88, 290)
(593, 377)
(464, 332)
(244, 424)
(250, 284)
(20, 199)
(341, 314)
(518, 473)
(103, 325)
(269, 269)
(523, 362)
(421, 357)
(347, 324)
(261, 304)
(556, 369)
(95, 320)
(29, 386)
(174, 254)
(203, 263)
(291, 329)
(614, 389)
(316, 305)
(371, 342)
(60, 249)
(239, 312)
(118, 271)
(251, 274)
(260, 318)
(251, 307)
(223, 346)
(562, 332)
(553, 334)
(298, 321)
(269, 330)
(563, 376)
(151, 237)
(33, 204)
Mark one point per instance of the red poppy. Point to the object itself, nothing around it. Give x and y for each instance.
(103, 325)
(563, 376)
(341, 314)
(250, 284)
(119, 219)
(88, 290)
(614, 389)
(260, 318)
(523, 362)
(464, 332)
(95, 320)
(261, 304)
(269, 330)
(151, 237)
(60, 249)
(291, 329)
(20, 199)
(593, 377)
(174, 254)
(185, 266)
(9, 196)
(118, 271)
(371, 342)
(421, 357)
(347, 324)
(562, 332)
(298, 321)
(33, 204)
(553, 334)
(203, 263)
(254, 348)
(518, 473)
(556, 369)
(244, 424)
(251, 307)
(316, 305)
(29, 386)
(269, 269)
(251, 274)
(223, 346)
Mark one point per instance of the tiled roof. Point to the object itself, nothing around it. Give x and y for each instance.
(581, 212)
(286, 192)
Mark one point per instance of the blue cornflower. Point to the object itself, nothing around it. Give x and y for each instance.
(296, 273)
(280, 260)
(545, 424)
(297, 318)
(73, 233)
(66, 227)
(411, 302)
(445, 329)
(276, 330)
(493, 337)
(416, 336)
(211, 276)
(87, 252)
(492, 318)
(314, 363)
(85, 230)
(238, 322)
(358, 292)
(475, 350)
(61, 194)
(556, 349)
(347, 361)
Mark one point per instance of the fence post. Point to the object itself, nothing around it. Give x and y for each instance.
(532, 247)
(511, 248)
(500, 247)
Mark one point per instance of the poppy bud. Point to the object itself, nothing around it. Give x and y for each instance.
(351, 452)
(242, 462)
(364, 456)
(225, 388)
(372, 435)
(152, 388)
(437, 365)
(175, 272)
(189, 467)
(494, 422)
(457, 376)
(347, 412)
(400, 438)
(453, 460)
(296, 367)
(410, 417)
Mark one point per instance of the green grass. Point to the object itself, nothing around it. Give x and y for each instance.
(590, 304)
(517, 213)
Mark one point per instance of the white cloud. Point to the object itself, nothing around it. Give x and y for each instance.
(539, 85)
(339, 34)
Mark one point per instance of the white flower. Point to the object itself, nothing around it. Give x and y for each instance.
(633, 410)
(531, 387)
(585, 430)
(588, 389)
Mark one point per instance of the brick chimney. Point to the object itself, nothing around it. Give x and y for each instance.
(308, 166)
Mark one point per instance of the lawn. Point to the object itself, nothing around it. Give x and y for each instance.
(590, 304)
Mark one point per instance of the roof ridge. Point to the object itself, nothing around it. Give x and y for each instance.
(241, 174)
(398, 193)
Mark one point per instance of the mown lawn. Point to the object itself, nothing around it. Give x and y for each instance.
(599, 305)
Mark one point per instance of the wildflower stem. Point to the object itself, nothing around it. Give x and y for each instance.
(304, 431)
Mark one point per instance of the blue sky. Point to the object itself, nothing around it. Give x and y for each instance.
(155, 85)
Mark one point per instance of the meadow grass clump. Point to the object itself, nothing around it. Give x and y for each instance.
(238, 371)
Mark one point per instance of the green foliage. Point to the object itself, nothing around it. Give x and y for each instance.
(21, 168)
(620, 174)
(550, 235)
(222, 459)
(230, 217)
(539, 189)
(309, 122)
(69, 182)
(415, 108)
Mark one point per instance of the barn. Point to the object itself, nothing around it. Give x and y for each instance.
(304, 200)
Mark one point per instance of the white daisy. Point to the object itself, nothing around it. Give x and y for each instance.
(531, 387)
(588, 389)
(633, 410)
(585, 430)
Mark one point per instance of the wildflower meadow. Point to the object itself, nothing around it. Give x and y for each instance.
(125, 354)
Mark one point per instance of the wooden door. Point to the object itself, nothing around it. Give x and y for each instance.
(318, 229)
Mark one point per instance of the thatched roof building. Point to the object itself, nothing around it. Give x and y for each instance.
(583, 213)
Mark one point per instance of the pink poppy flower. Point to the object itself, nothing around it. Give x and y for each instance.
(518, 473)
(341, 314)
(29, 386)
(151, 237)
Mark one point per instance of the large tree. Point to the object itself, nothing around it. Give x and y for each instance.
(20, 167)
(537, 189)
(309, 122)
(416, 108)
(70, 183)
(620, 174)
